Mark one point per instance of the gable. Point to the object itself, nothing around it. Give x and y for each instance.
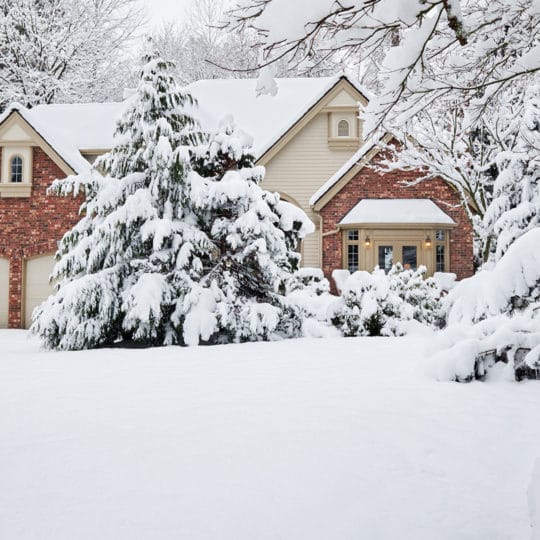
(344, 98)
(342, 91)
(15, 129)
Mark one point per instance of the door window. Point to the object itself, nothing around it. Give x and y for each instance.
(386, 258)
(409, 257)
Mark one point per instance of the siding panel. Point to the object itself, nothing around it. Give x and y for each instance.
(300, 169)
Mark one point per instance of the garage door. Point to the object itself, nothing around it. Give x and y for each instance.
(36, 284)
(4, 292)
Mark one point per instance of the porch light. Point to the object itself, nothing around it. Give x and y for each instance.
(367, 241)
(428, 241)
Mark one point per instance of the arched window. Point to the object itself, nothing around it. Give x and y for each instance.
(16, 169)
(343, 129)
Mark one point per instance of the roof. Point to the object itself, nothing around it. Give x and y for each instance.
(266, 118)
(396, 211)
(74, 128)
(90, 126)
(53, 133)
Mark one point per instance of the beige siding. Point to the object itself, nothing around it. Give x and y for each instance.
(300, 168)
(36, 284)
(4, 292)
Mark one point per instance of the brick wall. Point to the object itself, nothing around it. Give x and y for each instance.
(31, 226)
(371, 184)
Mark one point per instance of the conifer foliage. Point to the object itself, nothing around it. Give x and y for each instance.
(122, 268)
(178, 244)
(255, 236)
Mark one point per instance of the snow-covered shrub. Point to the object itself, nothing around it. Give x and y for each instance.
(497, 309)
(456, 353)
(309, 291)
(374, 304)
(307, 279)
(510, 286)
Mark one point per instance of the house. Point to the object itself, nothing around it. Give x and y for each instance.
(309, 139)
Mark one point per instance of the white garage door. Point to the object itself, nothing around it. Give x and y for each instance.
(4, 292)
(36, 284)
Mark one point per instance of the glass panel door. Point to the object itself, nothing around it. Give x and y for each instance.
(409, 256)
(386, 257)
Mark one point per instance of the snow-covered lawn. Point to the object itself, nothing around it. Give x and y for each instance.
(308, 439)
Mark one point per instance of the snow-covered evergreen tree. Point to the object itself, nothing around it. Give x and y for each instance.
(178, 242)
(131, 259)
(255, 236)
(514, 208)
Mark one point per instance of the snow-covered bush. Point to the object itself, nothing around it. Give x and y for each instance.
(308, 279)
(495, 310)
(509, 287)
(374, 304)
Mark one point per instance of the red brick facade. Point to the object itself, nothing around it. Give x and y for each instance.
(371, 184)
(31, 226)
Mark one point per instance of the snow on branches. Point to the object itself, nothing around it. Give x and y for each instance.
(178, 243)
(480, 46)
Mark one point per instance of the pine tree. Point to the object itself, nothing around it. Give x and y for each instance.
(131, 259)
(178, 243)
(255, 235)
(515, 206)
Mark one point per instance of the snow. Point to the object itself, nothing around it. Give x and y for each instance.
(396, 211)
(318, 439)
(265, 117)
(534, 501)
(89, 126)
(490, 292)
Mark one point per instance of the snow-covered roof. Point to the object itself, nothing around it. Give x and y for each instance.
(90, 126)
(54, 133)
(266, 118)
(396, 211)
(74, 128)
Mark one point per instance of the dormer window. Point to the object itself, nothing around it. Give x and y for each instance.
(344, 129)
(16, 169)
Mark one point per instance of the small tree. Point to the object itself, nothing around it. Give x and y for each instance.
(254, 235)
(131, 259)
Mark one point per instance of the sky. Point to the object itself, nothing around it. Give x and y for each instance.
(160, 11)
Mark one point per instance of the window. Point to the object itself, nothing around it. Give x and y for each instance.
(439, 258)
(352, 257)
(343, 129)
(386, 258)
(440, 250)
(409, 257)
(352, 249)
(16, 169)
